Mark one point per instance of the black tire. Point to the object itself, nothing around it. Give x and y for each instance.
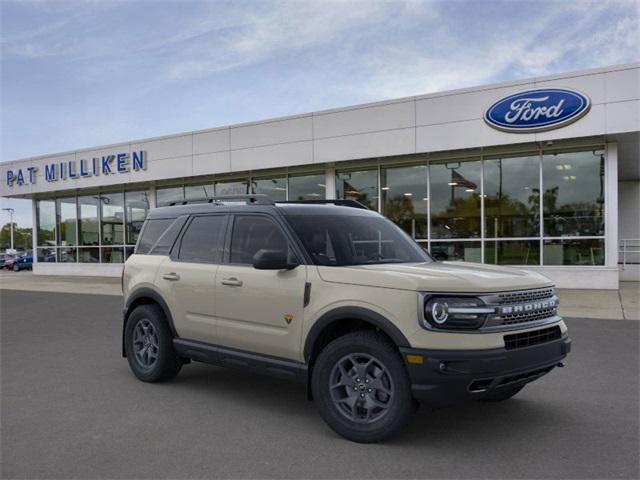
(158, 341)
(16, 268)
(346, 416)
(501, 394)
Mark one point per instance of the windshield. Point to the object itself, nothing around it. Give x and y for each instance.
(341, 240)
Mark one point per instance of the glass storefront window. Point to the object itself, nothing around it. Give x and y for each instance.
(67, 255)
(512, 197)
(512, 252)
(67, 221)
(46, 255)
(276, 187)
(198, 192)
(307, 187)
(112, 217)
(88, 220)
(168, 195)
(136, 208)
(112, 255)
(574, 252)
(404, 198)
(361, 186)
(573, 198)
(232, 188)
(455, 200)
(89, 255)
(457, 251)
(46, 218)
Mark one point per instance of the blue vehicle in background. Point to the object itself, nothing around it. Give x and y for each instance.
(23, 262)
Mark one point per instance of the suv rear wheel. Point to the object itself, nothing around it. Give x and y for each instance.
(149, 345)
(361, 387)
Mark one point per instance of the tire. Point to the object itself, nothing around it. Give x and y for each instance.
(383, 395)
(16, 268)
(501, 394)
(149, 345)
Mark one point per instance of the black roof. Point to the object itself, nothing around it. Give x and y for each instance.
(248, 203)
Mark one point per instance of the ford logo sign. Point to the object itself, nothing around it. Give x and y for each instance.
(537, 110)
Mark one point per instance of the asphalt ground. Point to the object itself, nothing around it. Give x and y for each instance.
(72, 409)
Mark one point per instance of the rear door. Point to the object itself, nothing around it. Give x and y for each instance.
(188, 276)
(259, 310)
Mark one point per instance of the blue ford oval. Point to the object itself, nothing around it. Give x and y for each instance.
(537, 110)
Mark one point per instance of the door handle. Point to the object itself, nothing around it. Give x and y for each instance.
(172, 276)
(231, 282)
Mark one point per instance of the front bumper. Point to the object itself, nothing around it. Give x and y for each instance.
(452, 376)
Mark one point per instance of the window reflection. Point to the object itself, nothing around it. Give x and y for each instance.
(232, 188)
(88, 220)
(512, 252)
(573, 198)
(46, 218)
(512, 197)
(136, 208)
(361, 186)
(574, 252)
(276, 187)
(455, 200)
(167, 196)
(67, 220)
(307, 187)
(457, 251)
(112, 218)
(404, 198)
(198, 192)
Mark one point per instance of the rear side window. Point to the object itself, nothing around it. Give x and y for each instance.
(203, 241)
(252, 233)
(151, 232)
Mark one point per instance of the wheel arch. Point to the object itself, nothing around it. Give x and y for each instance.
(146, 296)
(334, 319)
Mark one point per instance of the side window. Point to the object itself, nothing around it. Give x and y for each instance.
(204, 239)
(151, 232)
(168, 238)
(252, 233)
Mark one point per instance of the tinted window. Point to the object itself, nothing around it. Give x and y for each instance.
(203, 241)
(339, 240)
(151, 233)
(252, 233)
(168, 238)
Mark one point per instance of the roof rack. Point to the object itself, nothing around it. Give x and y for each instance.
(255, 199)
(339, 202)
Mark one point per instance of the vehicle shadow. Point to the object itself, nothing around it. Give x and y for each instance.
(458, 425)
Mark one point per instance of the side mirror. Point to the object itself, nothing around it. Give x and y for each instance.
(273, 260)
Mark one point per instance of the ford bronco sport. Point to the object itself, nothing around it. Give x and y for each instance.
(337, 296)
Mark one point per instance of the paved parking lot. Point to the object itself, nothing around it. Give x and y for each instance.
(72, 409)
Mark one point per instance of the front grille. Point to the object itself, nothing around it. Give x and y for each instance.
(528, 339)
(516, 318)
(524, 296)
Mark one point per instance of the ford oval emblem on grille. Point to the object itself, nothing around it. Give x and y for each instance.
(537, 110)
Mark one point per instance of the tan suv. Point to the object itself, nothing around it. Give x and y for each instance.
(337, 296)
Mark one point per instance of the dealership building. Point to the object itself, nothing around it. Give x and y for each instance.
(541, 173)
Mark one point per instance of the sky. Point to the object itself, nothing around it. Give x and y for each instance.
(86, 73)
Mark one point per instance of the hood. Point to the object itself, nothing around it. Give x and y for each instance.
(436, 277)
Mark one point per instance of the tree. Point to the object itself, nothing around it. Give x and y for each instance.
(21, 237)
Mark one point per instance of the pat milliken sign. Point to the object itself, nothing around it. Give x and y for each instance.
(105, 165)
(537, 110)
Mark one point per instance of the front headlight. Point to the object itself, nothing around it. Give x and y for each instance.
(455, 313)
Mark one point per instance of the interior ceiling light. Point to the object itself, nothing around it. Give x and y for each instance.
(408, 194)
(452, 184)
(386, 188)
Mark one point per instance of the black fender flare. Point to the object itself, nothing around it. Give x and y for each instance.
(352, 313)
(151, 294)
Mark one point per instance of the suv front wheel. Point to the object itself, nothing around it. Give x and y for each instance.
(361, 387)
(149, 345)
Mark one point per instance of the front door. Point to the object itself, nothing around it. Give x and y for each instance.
(189, 277)
(259, 310)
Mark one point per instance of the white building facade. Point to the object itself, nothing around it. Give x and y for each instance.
(541, 174)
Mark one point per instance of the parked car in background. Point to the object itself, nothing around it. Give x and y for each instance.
(23, 262)
(7, 260)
